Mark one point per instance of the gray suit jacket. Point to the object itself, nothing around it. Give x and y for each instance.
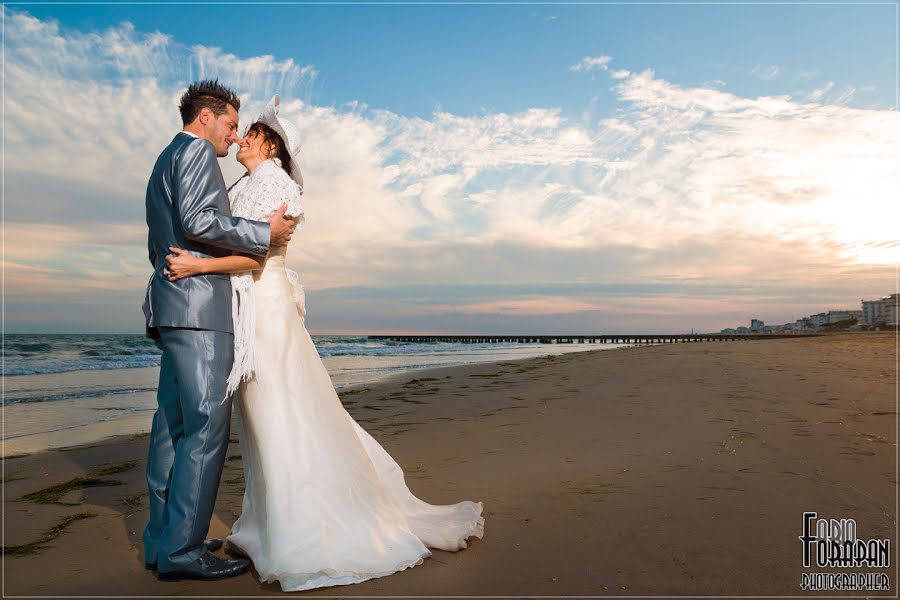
(187, 207)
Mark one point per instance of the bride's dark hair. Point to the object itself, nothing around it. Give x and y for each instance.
(278, 147)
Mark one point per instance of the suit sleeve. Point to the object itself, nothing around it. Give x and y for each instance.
(199, 191)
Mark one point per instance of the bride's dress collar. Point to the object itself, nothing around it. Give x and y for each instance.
(264, 166)
(248, 177)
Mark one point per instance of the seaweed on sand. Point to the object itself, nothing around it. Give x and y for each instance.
(46, 537)
(53, 494)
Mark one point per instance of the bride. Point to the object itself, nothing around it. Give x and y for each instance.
(324, 503)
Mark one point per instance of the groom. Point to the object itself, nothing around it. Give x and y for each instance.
(190, 319)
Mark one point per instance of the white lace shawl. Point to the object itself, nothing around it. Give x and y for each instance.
(255, 197)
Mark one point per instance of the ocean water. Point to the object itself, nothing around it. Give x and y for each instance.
(27, 354)
(66, 389)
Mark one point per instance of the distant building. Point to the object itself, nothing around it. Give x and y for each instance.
(802, 324)
(728, 330)
(891, 309)
(880, 312)
(818, 320)
(872, 310)
(834, 316)
(756, 325)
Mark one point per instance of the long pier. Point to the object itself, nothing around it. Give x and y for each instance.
(592, 339)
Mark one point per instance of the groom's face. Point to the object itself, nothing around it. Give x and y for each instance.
(222, 130)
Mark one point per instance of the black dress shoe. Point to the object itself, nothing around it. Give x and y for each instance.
(212, 544)
(208, 567)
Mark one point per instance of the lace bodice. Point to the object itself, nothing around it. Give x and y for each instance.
(256, 196)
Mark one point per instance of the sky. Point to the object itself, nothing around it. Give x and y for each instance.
(508, 169)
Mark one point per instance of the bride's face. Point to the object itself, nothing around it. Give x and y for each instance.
(252, 147)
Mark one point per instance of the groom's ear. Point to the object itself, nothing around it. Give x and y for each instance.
(206, 115)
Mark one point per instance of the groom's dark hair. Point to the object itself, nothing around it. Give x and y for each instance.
(207, 93)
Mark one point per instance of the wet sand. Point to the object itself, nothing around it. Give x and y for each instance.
(675, 469)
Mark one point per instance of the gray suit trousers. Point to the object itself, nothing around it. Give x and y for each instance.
(188, 443)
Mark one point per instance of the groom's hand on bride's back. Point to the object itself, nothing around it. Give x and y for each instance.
(282, 227)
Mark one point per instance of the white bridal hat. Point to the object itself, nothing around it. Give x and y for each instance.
(288, 133)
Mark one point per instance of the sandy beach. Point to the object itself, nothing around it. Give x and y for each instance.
(677, 469)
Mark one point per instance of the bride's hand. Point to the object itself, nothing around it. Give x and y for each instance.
(180, 264)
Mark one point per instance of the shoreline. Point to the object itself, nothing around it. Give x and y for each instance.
(138, 423)
(655, 470)
(136, 417)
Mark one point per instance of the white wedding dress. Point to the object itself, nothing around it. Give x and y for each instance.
(324, 503)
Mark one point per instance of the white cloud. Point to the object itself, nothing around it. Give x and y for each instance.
(817, 94)
(845, 96)
(95, 106)
(766, 72)
(589, 63)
